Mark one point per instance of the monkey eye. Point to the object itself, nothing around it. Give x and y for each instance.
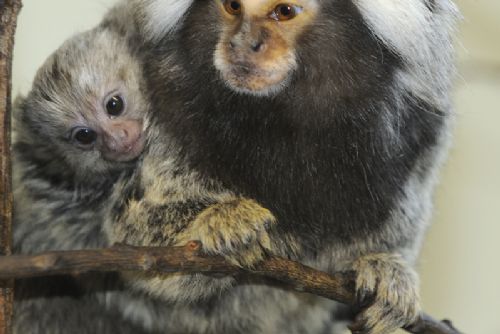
(115, 105)
(233, 7)
(285, 12)
(84, 136)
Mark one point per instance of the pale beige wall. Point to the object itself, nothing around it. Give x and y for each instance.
(460, 264)
(460, 267)
(43, 25)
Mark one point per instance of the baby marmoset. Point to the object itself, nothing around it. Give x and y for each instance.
(80, 128)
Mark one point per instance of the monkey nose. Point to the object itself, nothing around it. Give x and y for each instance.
(257, 46)
(123, 134)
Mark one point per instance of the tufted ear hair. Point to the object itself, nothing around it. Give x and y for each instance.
(421, 33)
(158, 18)
(411, 28)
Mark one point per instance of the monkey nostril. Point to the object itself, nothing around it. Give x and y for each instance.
(123, 133)
(232, 45)
(257, 47)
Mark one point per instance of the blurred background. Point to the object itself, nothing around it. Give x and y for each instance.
(460, 263)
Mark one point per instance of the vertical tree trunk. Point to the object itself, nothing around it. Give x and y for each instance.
(9, 10)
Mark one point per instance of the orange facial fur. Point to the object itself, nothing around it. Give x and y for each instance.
(256, 51)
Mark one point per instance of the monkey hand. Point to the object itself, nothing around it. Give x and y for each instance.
(386, 293)
(236, 229)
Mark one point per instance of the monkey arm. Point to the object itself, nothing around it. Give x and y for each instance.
(165, 205)
(236, 228)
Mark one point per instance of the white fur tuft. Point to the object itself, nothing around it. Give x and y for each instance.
(421, 34)
(163, 16)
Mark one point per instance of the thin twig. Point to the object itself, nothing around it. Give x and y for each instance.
(189, 259)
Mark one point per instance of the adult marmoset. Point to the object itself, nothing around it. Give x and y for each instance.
(334, 115)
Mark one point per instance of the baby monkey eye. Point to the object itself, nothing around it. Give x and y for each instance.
(285, 12)
(233, 7)
(115, 105)
(84, 136)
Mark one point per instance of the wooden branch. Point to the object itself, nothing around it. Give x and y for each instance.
(9, 10)
(189, 259)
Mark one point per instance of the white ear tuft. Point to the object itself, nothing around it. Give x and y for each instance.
(162, 16)
(409, 27)
(421, 33)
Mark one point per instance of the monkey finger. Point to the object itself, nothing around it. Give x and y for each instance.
(379, 318)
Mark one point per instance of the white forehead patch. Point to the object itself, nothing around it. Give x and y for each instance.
(254, 6)
(162, 16)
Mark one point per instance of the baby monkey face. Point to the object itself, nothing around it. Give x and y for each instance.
(110, 129)
(87, 104)
(256, 50)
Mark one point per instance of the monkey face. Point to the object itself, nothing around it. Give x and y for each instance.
(87, 105)
(111, 130)
(95, 130)
(256, 50)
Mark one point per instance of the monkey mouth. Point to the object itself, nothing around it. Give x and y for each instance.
(263, 74)
(244, 76)
(250, 79)
(135, 148)
(128, 153)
